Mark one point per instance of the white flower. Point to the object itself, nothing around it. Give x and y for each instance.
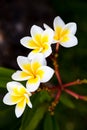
(34, 70)
(17, 94)
(64, 33)
(40, 40)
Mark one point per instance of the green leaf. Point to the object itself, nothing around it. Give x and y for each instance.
(32, 117)
(55, 124)
(50, 123)
(65, 99)
(35, 119)
(6, 71)
(7, 113)
(44, 96)
(5, 76)
(7, 118)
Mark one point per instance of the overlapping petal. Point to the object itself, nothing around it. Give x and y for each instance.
(28, 102)
(47, 36)
(45, 73)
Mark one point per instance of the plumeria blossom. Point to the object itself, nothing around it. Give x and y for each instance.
(40, 40)
(17, 94)
(34, 70)
(64, 33)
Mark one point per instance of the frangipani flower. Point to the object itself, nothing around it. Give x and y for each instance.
(64, 33)
(40, 40)
(17, 94)
(34, 70)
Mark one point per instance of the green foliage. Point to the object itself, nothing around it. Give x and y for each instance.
(7, 116)
(65, 99)
(5, 76)
(50, 123)
(34, 115)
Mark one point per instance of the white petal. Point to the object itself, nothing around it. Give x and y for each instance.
(71, 42)
(49, 33)
(22, 60)
(72, 27)
(33, 85)
(7, 99)
(47, 52)
(11, 85)
(28, 100)
(58, 22)
(48, 73)
(31, 55)
(24, 41)
(46, 26)
(30, 104)
(35, 30)
(19, 110)
(39, 58)
(20, 76)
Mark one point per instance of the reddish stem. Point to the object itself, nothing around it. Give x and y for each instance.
(72, 83)
(75, 95)
(57, 47)
(60, 87)
(58, 94)
(58, 76)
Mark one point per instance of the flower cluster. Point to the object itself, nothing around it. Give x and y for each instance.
(34, 69)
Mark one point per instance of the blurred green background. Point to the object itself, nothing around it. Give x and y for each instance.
(16, 19)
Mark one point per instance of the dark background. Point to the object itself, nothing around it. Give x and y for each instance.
(16, 19)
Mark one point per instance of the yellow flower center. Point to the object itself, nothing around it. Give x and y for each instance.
(61, 35)
(41, 42)
(31, 70)
(18, 94)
